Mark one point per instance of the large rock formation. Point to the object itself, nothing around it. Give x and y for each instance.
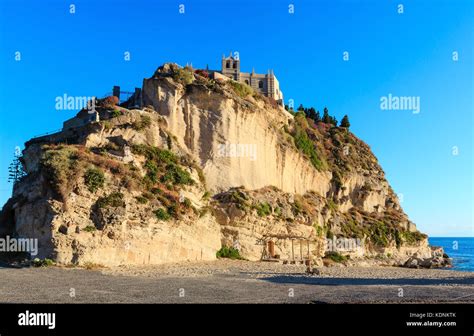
(204, 164)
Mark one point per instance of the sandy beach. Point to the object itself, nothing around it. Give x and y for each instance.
(229, 281)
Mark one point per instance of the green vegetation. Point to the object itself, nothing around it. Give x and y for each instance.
(327, 119)
(296, 208)
(228, 252)
(142, 199)
(241, 89)
(42, 262)
(162, 166)
(94, 179)
(345, 122)
(176, 175)
(90, 228)
(380, 234)
(412, 237)
(336, 257)
(183, 75)
(114, 200)
(61, 168)
(116, 112)
(320, 231)
(277, 211)
(263, 209)
(329, 234)
(162, 214)
(332, 205)
(106, 124)
(239, 198)
(304, 143)
(16, 171)
(144, 122)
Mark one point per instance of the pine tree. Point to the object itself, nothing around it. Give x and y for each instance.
(326, 117)
(345, 122)
(15, 170)
(312, 113)
(317, 117)
(333, 120)
(301, 108)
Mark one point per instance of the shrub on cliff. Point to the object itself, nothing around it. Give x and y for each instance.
(162, 165)
(61, 166)
(228, 252)
(162, 214)
(345, 122)
(183, 75)
(144, 122)
(114, 200)
(94, 179)
(242, 90)
(263, 209)
(305, 145)
(336, 257)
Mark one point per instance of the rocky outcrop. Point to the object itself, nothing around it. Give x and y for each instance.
(203, 165)
(209, 121)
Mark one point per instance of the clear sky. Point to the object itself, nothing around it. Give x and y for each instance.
(403, 54)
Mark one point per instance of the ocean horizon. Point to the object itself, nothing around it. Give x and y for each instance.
(461, 249)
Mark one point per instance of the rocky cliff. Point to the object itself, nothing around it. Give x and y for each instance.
(205, 164)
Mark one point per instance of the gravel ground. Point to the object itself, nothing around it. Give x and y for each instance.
(227, 281)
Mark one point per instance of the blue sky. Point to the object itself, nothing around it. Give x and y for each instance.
(407, 54)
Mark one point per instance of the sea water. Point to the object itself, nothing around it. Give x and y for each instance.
(461, 249)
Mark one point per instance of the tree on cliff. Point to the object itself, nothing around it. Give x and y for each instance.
(15, 170)
(326, 118)
(345, 122)
(317, 117)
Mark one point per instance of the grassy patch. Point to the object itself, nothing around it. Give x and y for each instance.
(228, 252)
(114, 200)
(142, 199)
(94, 179)
(263, 209)
(411, 238)
(162, 166)
(90, 228)
(305, 144)
(144, 122)
(243, 90)
(336, 257)
(61, 167)
(42, 262)
(162, 214)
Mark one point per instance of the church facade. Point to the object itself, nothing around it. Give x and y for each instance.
(266, 84)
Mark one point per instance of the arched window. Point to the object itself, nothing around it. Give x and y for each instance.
(227, 64)
(260, 84)
(234, 65)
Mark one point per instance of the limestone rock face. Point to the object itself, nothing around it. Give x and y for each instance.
(205, 164)
(210, 125)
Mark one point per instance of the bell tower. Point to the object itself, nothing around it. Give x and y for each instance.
(231, 67)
